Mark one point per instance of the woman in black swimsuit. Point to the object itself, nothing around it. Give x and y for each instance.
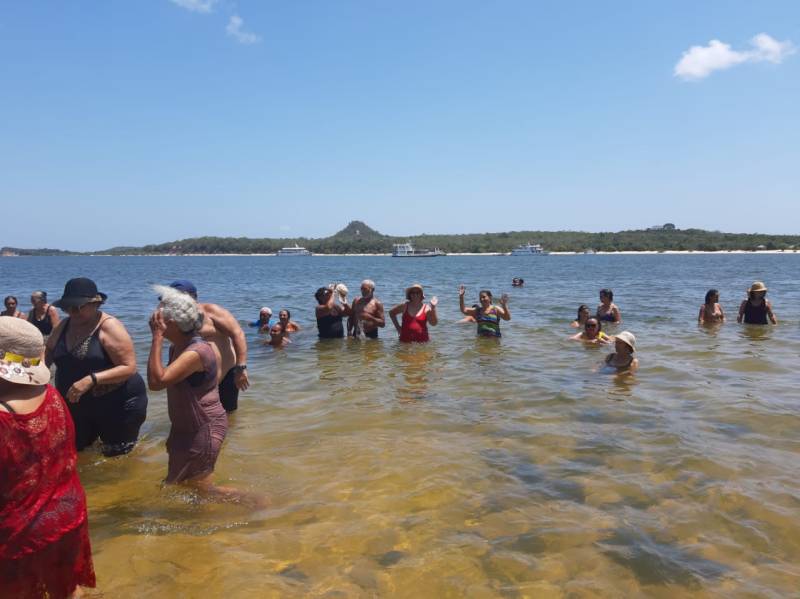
(608, 311)
(756, 309)
(329, 314)
(96, 371)
(43, 316)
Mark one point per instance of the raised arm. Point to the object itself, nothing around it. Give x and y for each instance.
(503, 310)
(159, 377)
(433, 318)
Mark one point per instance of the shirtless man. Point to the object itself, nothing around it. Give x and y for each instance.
(368, 314)
(221, 329)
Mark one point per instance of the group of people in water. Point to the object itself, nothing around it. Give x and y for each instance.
(99, 395)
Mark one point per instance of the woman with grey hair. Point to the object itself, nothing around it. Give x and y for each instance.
(199, 422)
(42, 315)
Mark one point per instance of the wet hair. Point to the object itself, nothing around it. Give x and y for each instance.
(486, 291)
(608, 293)
(320, 293)
(710, 294)
(599, 323)
(180, 308)
(40, 295)
(581, 308)
(288, 314)
(10, 297)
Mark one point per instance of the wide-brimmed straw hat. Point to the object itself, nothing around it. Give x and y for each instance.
(412, 287)
(627, 338)
(22, 353)
(757, 286)
(78, 292)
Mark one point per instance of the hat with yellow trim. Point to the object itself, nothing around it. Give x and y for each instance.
(22, 353)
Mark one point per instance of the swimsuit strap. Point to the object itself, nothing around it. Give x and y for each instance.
(7, 407)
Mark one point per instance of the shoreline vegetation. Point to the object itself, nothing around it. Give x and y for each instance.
(357, 239)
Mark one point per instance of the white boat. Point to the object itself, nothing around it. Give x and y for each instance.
(528, 249)
(406, 250)
(294, 251)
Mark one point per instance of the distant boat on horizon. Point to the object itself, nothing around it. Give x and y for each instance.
(293, 251)
(406, 250)
(529, 249)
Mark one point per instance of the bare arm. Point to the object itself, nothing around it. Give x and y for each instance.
(378, 319)
(771, 316)
(741, 311)
(701, 316)
(433, 319)
(118, 344)
(721, 313)
(52, 340)
(503, 310)
(616, 314)
(225, 323)
(398, 309)
(54, 317)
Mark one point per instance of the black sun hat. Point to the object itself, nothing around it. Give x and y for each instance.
(78, 292)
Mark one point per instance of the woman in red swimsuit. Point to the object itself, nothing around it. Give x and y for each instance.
(44, 534)
(416, 316)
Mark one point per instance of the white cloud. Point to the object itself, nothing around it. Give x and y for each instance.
(234, 29)
(698, 62)
(204, 6)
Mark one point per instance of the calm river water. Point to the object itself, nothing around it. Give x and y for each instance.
(469, 468)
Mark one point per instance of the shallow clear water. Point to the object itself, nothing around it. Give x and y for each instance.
(469, 467)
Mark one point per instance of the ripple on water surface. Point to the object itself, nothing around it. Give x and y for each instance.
(470, 467)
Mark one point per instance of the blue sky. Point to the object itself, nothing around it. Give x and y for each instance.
(127, 123)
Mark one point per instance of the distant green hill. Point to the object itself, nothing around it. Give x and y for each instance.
(358, 238)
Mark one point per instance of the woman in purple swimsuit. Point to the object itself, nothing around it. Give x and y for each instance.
(199, 421)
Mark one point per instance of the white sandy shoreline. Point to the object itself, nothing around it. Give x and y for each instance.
(621, 253)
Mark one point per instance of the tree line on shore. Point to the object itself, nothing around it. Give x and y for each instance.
(358, 238)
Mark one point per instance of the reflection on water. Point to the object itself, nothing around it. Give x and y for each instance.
(469, 467)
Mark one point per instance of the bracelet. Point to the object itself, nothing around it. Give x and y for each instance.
(93, 376)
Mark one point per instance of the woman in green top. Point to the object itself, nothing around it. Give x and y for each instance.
(486, 315)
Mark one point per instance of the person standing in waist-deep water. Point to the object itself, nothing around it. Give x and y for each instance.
(329, 313)
(416, 315)
(222, 329)
(756, 309)
(607, 310)
(96, 371)
(487, 315)
(43, 316)
(368, 315)
(711, 311)
(198, 421)
(44, 531)
(11, 304)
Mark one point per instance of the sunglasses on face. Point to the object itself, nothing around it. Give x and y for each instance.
(591, 325)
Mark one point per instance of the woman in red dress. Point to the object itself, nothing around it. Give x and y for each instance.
(44, 532)
(416, 316)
